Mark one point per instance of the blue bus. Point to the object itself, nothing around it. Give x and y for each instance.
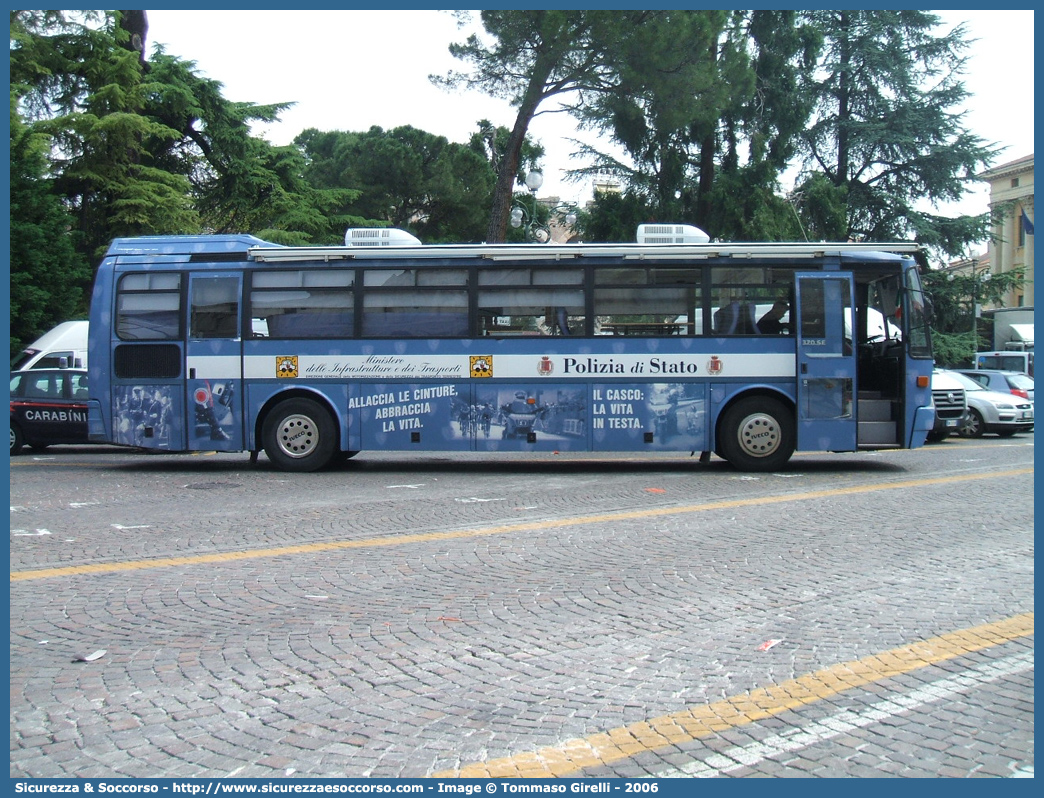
(313, 354)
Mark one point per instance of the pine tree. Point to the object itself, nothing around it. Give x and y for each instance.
(709, 107)
(404, 177)
(887, 131)
(80, 81)
(48, 276)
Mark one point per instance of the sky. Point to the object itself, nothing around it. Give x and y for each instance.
(350, 70)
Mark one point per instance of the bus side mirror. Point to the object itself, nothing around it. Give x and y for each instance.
(929, 308)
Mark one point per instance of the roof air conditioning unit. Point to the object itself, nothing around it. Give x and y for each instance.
(671, 234)
(379, 237)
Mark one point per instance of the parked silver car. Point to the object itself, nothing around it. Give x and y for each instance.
(1003, 414)
(1002, 381)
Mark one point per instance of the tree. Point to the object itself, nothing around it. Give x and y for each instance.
(491, 142)
(665, 105)
(760, 128)
(821, 208)
(887, 128)
(614, 216)
(708, 108)
(149, 146)
(535, 56)
(957, 332)
(239, 182)
(48, 276)
(405, 178)
(867, 99)
(77, 82)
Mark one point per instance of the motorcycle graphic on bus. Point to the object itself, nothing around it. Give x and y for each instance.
(519, 416)
(212, 411)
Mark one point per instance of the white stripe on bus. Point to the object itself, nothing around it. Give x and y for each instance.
(638, 368)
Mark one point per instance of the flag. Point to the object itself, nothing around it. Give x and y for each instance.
(1027, 225)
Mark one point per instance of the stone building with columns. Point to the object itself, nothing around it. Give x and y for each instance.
(1011, 194)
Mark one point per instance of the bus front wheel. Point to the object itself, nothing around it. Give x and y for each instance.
(299, 435)
(757, 434)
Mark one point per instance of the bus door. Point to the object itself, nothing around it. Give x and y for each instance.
(826, 363)
(214, 362)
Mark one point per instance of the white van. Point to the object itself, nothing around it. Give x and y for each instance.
(68, 340)
(1006, 360)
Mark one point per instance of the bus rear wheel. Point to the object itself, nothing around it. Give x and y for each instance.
(757, 434)
(299, 435)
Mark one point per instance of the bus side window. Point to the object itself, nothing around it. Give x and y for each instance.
(542, 301)
(215, 308)
(416, 313)
(536, 310)
(646, 310)
(657, 301)
(741, 296)
(302, 303)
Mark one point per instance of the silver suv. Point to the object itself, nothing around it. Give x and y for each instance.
(951, 406)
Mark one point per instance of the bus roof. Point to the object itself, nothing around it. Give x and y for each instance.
(227, 247)
(186, 245)
(544, 252)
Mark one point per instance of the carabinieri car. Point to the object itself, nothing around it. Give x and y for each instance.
(48, 406)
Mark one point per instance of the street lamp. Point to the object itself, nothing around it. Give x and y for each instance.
(980, 278)
(534, 180)
(535, 229)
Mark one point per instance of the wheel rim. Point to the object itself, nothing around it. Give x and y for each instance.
(298, 436)
(759, 435)
(14, 439)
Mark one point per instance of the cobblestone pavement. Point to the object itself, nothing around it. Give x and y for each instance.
(192, 616)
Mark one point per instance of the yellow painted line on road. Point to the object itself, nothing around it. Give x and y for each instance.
(558, 523)
(705, 720)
